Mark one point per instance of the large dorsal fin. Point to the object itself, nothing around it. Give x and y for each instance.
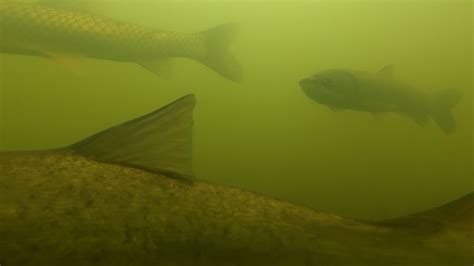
(160, 141)
(455, 214)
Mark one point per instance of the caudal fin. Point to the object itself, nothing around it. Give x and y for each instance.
(160, 141)
(218, 56)
(442, 104)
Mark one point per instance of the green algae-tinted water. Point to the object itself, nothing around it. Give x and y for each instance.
(265, 135)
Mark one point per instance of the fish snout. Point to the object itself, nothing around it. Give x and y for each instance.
(306, 84)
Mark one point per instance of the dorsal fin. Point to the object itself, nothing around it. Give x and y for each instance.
(387, 71)
(455, 214)
(160, 141)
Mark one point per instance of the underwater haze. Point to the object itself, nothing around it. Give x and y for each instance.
(264, 134)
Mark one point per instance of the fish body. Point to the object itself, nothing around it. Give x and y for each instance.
(62, 34)
(380, 93)
(117, 198)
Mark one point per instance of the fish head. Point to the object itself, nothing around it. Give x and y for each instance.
(332, 87)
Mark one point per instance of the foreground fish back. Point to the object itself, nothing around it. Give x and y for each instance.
(66, 199)
(94, 203)
(83, 212)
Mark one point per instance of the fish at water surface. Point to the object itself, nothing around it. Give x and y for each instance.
(66, 34)
(380, 93)
(125, 196)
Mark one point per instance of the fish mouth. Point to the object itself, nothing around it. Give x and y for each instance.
(315, 91)
(312, 87)
(306, 85)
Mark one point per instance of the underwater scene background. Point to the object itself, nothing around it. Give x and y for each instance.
(265, 135)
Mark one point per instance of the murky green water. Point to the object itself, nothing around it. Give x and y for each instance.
(265, 135)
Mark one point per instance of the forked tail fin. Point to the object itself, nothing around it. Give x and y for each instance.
(442, 103)
(218, 56)
(160, 141)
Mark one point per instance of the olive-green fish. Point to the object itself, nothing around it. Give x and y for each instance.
(64, 34)
(125, 196)
(347, 89)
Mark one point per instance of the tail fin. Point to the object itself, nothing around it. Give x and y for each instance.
(218, 56)
(442, 103)
(160, 141)
(455, 214)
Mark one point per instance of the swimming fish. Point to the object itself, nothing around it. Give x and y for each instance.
(342, 89)
(127, 196)
(64, 34)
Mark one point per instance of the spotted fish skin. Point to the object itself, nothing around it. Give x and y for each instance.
(109, 200)
(49, 31)
(64, 209)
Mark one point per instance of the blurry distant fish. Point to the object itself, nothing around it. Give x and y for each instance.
(380, 93)
(65, 34)
(109, 200)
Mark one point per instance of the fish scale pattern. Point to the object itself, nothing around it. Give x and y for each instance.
(94, 35)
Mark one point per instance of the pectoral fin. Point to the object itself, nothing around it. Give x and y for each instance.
(161, 67)
(71, 62)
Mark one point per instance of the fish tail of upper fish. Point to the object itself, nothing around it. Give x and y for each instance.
(210, 47)
(440, 110)
(218, 56)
